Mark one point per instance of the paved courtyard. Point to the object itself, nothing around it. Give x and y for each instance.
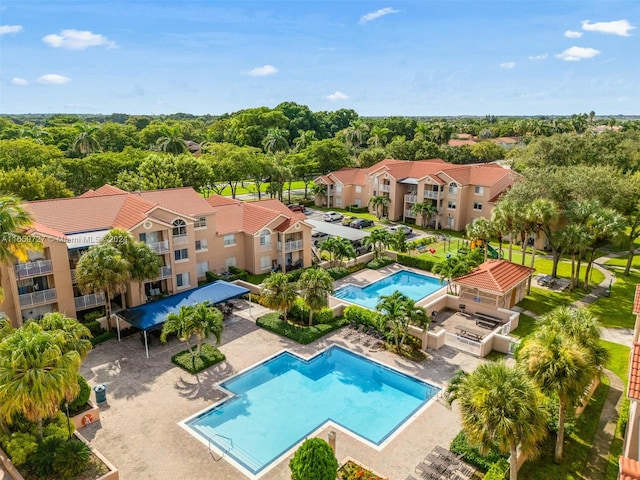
(146, 398)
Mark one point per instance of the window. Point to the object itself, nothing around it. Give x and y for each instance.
(453, 189)
(201, 245)
(450, 223)
(230, 262)
(357, 202)
(265, 262)
(478, 190)
(203, 268)
(182, 280)
(200, 223)
(179, 228)
(338, 202)
(477, 206)
(143, 237)
(451, 205)
(182, 254)
(265, 238)
(339, 188)
(229, 240)
(358, 189)
(375, 180)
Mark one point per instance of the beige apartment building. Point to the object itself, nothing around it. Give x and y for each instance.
(191, 234)
(459, 193)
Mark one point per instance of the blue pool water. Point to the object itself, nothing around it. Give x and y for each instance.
(281, 401)
(413, 285)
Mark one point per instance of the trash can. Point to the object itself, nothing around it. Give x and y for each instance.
(607, 292)
(101, 393)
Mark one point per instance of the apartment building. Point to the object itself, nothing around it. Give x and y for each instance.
(459, 193)
(191, 234)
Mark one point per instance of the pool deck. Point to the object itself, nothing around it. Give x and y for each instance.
(146, 398)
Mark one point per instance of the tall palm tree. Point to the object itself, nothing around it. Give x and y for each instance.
(574, 237)
(355, 133)
(172, 140)
(278, 293)
(145, 264)
(605, 224)
(560, 367)
(304, 139)
(507, 213)
(378, 136)
(378, 240)
(426, 210)
(338, 248)
(276, 140)
(71, 334)
(394, 311)
(85, 142)
(36, 375)
(181, 324)
(500, 405)
(315, 285)
(206, 320)
(103, 268)
(379, 203)
(451, 268)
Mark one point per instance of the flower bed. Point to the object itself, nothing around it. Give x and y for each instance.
(352, 471)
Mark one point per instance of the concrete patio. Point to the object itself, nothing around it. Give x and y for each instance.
(146, 398)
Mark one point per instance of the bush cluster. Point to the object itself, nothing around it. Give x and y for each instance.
(93, 316)
(300, 334)
(362, 316)
(353, 471)
(300, 313)
(102, 337)
(415, 262)
(357, 209)
(234, 274)
(497, 471)
(380, 262)
(209, 355)
(77, 405)
(460, 446)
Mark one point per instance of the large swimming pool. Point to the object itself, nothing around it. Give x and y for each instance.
(413, 285)
(283, 400)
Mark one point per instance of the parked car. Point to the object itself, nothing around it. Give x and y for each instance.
(347, 220)
(361, 223)
(296, 207)
(318, 237)
(361, 248)
(332, 217)
(404, 228)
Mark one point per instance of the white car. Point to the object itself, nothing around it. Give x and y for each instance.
(332, 217)
(404, 228)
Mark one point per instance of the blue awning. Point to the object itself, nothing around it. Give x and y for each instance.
(152, 314)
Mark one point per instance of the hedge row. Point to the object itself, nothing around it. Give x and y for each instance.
(209, 355)
(460, 446)
(378, 263)
(234, 274)
(340, 272)
(362, 316)
(416, 262)
(302, 335)
(102, 337)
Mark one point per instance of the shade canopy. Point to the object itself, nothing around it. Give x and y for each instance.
(152, 314)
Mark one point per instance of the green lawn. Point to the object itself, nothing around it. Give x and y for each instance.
(257, 279)
(526, 326)
(542, 301)
(251, 188)
(616, 311)
(347, 213)
(622, 262)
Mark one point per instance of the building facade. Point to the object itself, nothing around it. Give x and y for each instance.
(192, 235)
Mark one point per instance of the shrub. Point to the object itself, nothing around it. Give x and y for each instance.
(238, 273)
(314, 460)
(93, 316)
(102, 337)
(209, 355)
(362, 316)
(460, 446)
(301, 334)
(42, 460)
(416, 262)
(55, 427)
(338, 272)
(94, 327)
(80, 401)
(71, 457)
(380, 262)
(20, 446)
(300, 313)
(497, 471)
(295, 275)
(357, 209)
(234, 274)
(352, 471)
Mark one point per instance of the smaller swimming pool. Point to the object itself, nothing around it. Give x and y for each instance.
(413, 285)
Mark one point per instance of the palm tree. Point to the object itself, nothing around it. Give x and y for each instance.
(379, 203)
(36, 375)
(103, 268)
(304, 139)
(206, 320)
(355, 133)
(379, 240)
(378, 136)
(315, 285)
(544, 212)
(604, 224)
(500, 405)
(71, 334)
(560, 367)
(181, 324)
(276, 140)
(451, 268)
(338, 248)
(278, 293)
(394, 310)
(480, 231)
(426, 210)
(86, 143)
(172, 140)
(507, 213)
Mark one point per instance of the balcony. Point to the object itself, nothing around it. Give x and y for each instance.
(165, 272)
(411, 198)
(409, 214)
(162, 246)
(89, 301)
(34, 269)
(291, 246)
(433, 195)
(180, 239)
(35, 298)
(385, 187)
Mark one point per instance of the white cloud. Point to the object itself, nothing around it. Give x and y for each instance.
(538, 57)
(377, 14)
(53, 79)
(575, 54)
(4, 29)
(508, 65)
(77, 40)
(263, 71)
(337, 95)
(572, 34)
(617, 27)
(20, 82)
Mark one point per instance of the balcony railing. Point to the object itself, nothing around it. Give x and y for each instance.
(162, 246)
(409, 214)
(34, 269)
(43, 296)
(165, 272)
(180, 239)
(291, 245)
(410, 198)
(89, 301)
(431, 194)
(385, 187)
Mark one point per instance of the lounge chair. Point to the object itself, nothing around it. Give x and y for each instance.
(427, 471)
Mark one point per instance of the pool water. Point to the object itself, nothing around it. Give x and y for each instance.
(283, 400)
(413, 285)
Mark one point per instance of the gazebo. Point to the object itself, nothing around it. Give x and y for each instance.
(150, 315)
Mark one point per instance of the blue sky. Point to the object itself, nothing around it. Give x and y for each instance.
(422, 57)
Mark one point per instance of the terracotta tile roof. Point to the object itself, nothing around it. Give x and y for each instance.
(133, 211)
(634, 373)
(324, 179)
(464, 136)
(454, 142)
(629, 469)
(183, 200)
(43, 229)
(256, 218)
(103, 191)
(636, 302)
(508, 140)
(484, 174)
(497, 196)
(349, 176)
(278, 206)
(496, 276)
(219, 200)
(229, 217)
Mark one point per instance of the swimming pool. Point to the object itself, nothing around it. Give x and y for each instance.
(285, 399)
(413, 285)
